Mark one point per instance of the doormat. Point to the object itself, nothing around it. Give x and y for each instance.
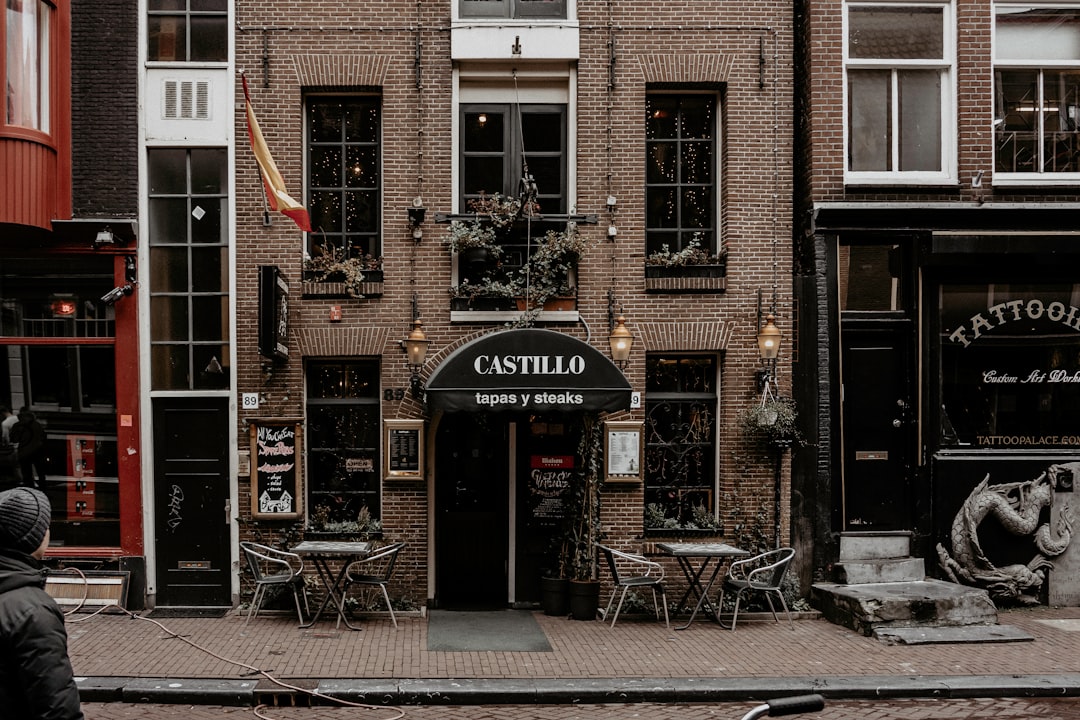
(480, 630)
(188, 612)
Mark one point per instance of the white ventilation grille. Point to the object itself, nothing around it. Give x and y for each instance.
(186, 100)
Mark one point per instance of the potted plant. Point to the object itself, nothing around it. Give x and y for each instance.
(773, 420)
(487, 294)
(331, 264)
(546, 276)
(582, 526)
(474, 243)
(689, 269)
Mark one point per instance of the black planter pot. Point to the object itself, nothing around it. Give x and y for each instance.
(554, 598)
(584, 599)
(475, 259)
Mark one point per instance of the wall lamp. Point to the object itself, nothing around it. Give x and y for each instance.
(768, 340)
(621, 341)
(416, 218)
(104, 237)
(415, 346)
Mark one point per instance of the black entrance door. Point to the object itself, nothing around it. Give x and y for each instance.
(472, 480)
(191, 489)
(878, 425)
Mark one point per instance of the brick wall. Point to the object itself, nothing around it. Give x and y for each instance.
(104, 108)
(743, 50)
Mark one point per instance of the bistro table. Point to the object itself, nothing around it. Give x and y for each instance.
(321, 553)
(706, 554)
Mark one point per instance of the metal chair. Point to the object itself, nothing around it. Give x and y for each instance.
(760, 574)
(373, 571)
(270, 566)
(634, 571)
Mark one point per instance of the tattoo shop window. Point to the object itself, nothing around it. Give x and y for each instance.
(1010, 366)
(343, 445)
(188, 30)
(680, 442)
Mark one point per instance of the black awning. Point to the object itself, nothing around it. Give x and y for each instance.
(527, 370)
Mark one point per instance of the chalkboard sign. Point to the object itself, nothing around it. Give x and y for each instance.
(404, 448)
(276, 490)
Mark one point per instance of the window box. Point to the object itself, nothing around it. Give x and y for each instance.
(332, 287)
(484, 304)
(685, 278)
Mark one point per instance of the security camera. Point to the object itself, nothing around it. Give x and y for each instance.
(117, 293)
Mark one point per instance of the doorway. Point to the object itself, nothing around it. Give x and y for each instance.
(191, 492)
(878, 425)
(472, 520)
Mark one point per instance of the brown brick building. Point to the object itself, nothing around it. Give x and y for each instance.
(937, 206)
(624, 126)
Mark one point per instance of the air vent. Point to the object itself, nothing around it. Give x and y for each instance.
(186, 99)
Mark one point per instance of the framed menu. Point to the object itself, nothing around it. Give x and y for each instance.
(276, 488)
(623, 451)
(403, 449)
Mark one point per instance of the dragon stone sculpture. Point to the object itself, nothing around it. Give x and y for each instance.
(1018, 507)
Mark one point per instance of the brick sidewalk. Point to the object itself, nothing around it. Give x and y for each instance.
(119, 646)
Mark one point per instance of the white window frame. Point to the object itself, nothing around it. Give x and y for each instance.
(946, 66)
(1038, 177)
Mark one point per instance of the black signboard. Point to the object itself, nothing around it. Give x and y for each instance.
(273, 313)
(276, 491)
(404, 449)
(527, 370)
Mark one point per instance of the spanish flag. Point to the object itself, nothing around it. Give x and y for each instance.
(271, 176)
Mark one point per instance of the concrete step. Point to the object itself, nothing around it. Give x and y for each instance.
(874, 545)
(867, 607)
(906, 569)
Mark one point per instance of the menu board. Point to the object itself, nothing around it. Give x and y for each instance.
(404, 448)
(276, 490)
(623, 451)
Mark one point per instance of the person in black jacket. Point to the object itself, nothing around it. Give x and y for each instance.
(28, 435)
(36, 679)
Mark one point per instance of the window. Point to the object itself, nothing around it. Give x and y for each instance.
(899, 69)
(1010, 366)
(26, 63)
(501, 144)
(514, 8)
(188, 30)
(1036, 92)
(57, 340)
(680, 441)
(343, 442)
(680, 173)
(344, 175)
(189, 269)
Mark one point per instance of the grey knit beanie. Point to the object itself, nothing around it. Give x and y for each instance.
(24, 518)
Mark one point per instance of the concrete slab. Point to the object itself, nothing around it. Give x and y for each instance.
(948, 635)
(927, 603)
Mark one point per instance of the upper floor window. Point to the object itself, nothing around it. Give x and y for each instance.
(344, 175)
(899, 61)
(516, 150)
(189, 268)
(188, 30)
(1036, 92)
(680, 172)
(513, 8)
(26, 63)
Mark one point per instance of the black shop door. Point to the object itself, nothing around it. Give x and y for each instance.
(191, 490)
(879, 443)
(472, 517)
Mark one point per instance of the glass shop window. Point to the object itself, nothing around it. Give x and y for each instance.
(1010, 366)
(57, 340)
(343, 445)
(680, 442)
